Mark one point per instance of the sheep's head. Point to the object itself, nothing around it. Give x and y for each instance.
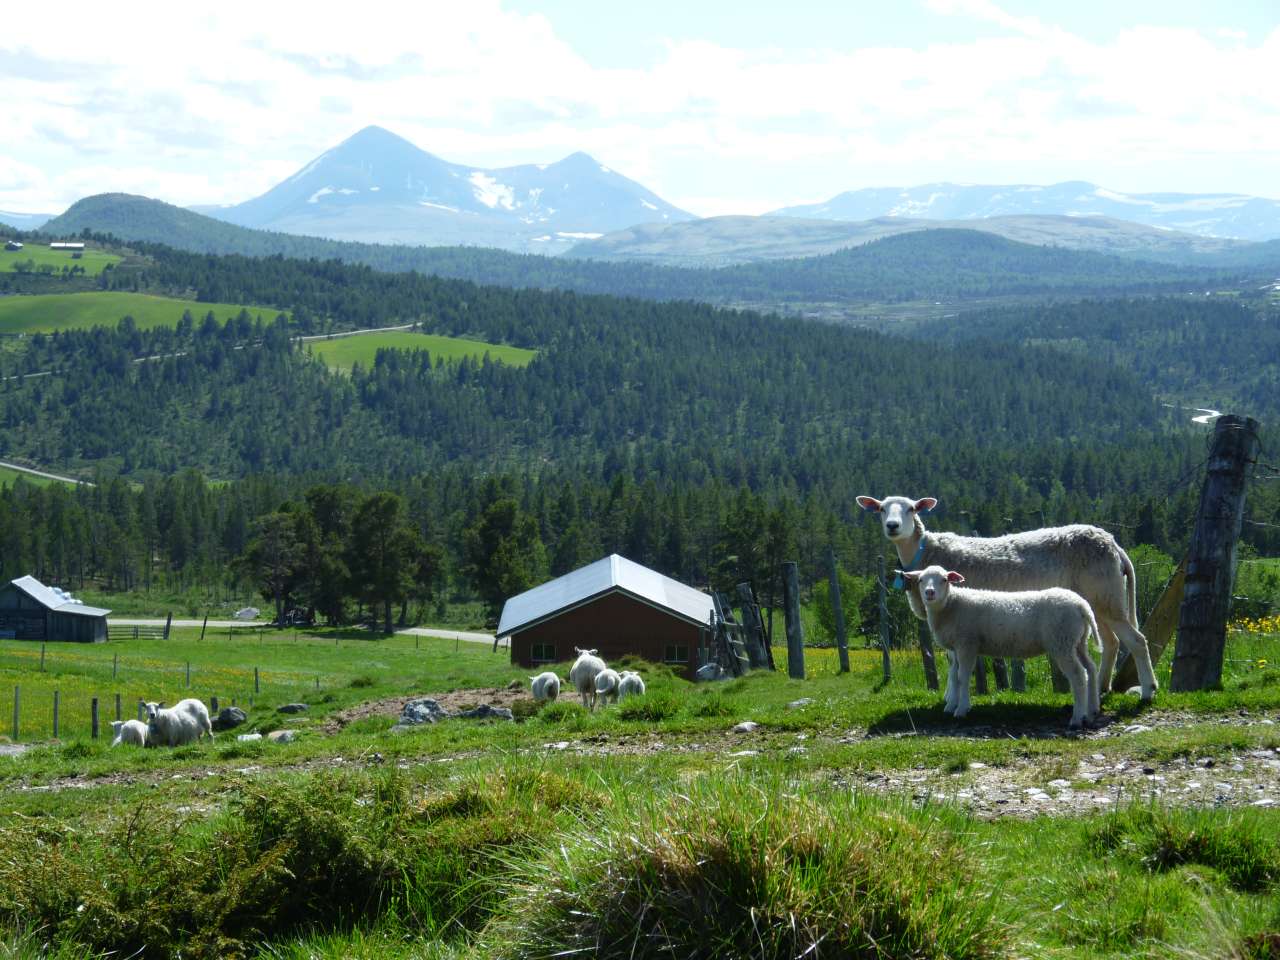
(116, 725)
(897, 514)
(934, 583)
(586, 653)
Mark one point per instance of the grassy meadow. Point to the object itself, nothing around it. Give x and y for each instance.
(91, 261)
(341, 352)
(647, 829)
(9, 475)
(82, 311)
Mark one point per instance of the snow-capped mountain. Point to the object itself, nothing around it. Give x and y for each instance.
(378, 187)
(1208, 214)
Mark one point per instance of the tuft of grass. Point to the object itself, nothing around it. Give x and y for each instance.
(562, 711)
(361, 682)
(740, 868)
(712, 705)
(652, 707)
(1239, 846)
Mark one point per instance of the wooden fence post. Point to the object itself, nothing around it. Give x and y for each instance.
(795, 632)
(1206, 600)
(115, 666)
(203, 626)
(1157, 628)
(17, 710)
(93, 718)
(883, 589)
(1018, 680)
(842, 638)
(980, 676)
(142, 709)
(256, 687)
(213, 705)
(1001, 671)
(926, 655)
(56, 704)
(168, 624)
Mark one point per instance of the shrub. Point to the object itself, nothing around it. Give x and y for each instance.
(361, 682)
(739, 869)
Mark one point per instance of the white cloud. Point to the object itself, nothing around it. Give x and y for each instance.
(218, 104)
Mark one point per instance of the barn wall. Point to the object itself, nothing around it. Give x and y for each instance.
(615, 624)
(21, 618)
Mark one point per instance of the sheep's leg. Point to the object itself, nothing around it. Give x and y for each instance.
(1069, 663)
(953, 684)
(967, 659)
(1136, 644)
(1110, 647)
(1091, 671)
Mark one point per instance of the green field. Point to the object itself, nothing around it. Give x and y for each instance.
(341, 352)
(92, 261)
(647, 830)
(7, 476)
(82, 311)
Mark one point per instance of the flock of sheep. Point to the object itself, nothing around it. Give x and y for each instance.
(1021, 595)
(176, 726)
(593, 680)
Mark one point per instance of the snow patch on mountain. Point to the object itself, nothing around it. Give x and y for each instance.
(490, 192)
(322, 192)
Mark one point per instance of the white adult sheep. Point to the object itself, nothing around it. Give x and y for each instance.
(631, 685)
(607, 685)
(129, 731)
(1079, 557)
(185, 722)
(1024, 623)
(545, 686)
(583, 675)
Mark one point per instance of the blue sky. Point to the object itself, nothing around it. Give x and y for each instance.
(719, 107)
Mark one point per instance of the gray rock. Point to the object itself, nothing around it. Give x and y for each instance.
(797, 704)
(711, 671)
(248, 737)
(422, 710)
(229, 717)
(282, 736)
(746, 726)
(485, 712)
(293, 708)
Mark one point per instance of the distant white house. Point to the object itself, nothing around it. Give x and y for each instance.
(13, 245)
(68, 245)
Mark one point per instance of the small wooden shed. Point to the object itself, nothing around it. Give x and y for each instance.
(615, 605)
(31, 611)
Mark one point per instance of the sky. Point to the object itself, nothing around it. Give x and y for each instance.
(719, 107)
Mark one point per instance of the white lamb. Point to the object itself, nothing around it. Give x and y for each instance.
(607, 684)
(129, 731)
(1078, 557)
(1026, 623)
(185, 722)
(546, 686)
(583, 675)
(631, 685)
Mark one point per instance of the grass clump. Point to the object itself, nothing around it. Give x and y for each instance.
(712, 705)
(652, 707)
(739, 868)
(1237, 845)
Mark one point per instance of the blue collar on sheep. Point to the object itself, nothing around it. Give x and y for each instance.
(898, 582)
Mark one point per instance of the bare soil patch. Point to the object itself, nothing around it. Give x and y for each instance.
(453, 701)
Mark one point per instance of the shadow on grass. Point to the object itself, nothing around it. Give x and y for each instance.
(996, 721)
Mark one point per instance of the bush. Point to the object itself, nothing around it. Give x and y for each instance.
(733, 870)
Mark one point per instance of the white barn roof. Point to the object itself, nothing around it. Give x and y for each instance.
(610, 574)
(45, 596)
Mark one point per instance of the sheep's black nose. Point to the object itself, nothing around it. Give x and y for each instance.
(891, 525)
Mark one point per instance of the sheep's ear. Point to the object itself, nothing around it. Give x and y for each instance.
(869, 504)
(926, 505)
(953, 577)
(911, 576)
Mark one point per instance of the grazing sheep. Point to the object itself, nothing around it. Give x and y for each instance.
(631, 684)
(129, 731)
(185, 722)
(607, 684)
(546, 686)
(583, 675)
(1078, 557)
(1026, 623)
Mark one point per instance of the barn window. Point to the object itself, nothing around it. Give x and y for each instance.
(676, 653)
(544, 653)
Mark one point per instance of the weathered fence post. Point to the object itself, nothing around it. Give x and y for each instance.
(256, 687)
(1157, 628)
(883, 589)
(1018, 680)
(142, 709)
(203, 627)
(213, 705)
(17, 710)
(57, 700)
(842, 639)
(115, 666)
(1206, 599)
(926, 655)
(1001, 671)
(93, 718)
(168, 624)
(980, 676)
(795, 632)
(119, 715)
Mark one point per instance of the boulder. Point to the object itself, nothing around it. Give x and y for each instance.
(711, 671)
(746, 726)
(292, 708)
(422, 710)
(282, 736)
(485, 712)
(229, 717)
(248, 737)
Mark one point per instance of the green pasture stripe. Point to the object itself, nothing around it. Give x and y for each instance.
(83, 311)
(341, 352)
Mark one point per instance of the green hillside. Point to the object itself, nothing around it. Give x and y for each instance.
(341, 352)
(8, 475)
(83, 311)
(92, 262)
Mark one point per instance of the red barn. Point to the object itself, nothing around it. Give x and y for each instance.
(614, 605)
